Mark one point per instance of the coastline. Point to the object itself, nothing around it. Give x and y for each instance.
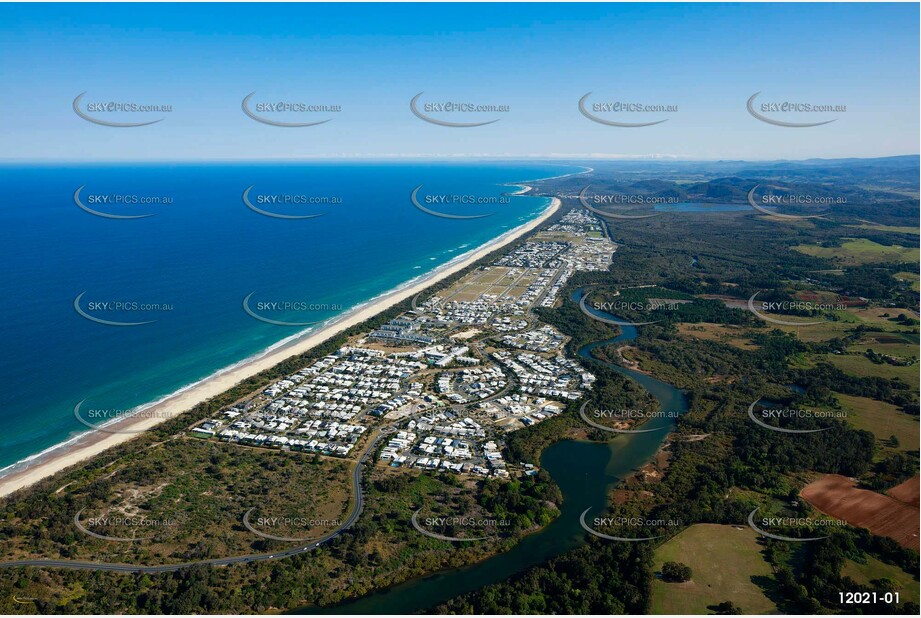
(82, 447)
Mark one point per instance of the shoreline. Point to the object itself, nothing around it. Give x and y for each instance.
(84, 446)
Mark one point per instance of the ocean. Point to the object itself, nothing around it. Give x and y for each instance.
(73, 281)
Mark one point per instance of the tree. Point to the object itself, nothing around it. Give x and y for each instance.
(676, 572)
(727, 608)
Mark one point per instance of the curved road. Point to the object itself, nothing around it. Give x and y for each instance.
(166, 568)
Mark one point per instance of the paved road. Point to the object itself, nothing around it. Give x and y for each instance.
(166, 568)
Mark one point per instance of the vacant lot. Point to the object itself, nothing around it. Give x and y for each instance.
(882, 515)
(855, 363)
(882, 420)
(724, 333)
(877, 320)
(862, 251)
(726, 562)
(905, 584)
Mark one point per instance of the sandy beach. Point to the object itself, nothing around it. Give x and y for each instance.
(95, 442)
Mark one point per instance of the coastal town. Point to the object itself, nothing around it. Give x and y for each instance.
(443, 383)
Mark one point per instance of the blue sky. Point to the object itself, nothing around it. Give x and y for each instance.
(538, 59)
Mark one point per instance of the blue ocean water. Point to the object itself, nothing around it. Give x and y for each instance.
(190, 266)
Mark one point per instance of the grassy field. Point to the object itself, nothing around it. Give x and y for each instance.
(906, 585)
(725, 560)
(912, 277)
(899, 229)
(883, 336)
(855, 251)
(873, 318)
(724, 333)
(859, 365)
(882, 420)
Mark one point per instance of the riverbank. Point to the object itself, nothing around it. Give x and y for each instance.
(88, 445)
(584, 470)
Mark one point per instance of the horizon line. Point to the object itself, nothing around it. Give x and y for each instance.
(468, 158)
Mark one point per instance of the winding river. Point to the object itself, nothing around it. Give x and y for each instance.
(584, 471)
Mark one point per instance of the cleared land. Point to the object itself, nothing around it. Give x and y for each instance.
(729, 334)
(882, 420)
(859, 365)
(725, 561)
(898, 229)
(907, 492)
(911, 277)
(864, 574)
(883, 334)
(856, 251)
(503, 282)
(874, 319)
(882, 515)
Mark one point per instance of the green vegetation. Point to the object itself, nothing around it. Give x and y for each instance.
(862, 251)
(186, 499)
(676, 572)
(717, 467)
(720, 466)
(870, 573)
(726, 562)
(884, 421)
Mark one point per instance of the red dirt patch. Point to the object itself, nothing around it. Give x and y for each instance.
(906, 492)
(882, 515)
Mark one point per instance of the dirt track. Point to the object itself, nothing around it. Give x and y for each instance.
(894, 516)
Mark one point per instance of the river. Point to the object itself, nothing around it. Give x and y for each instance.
(584, 471)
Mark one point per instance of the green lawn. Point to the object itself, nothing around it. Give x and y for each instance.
(725, 561)
(906, 585)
